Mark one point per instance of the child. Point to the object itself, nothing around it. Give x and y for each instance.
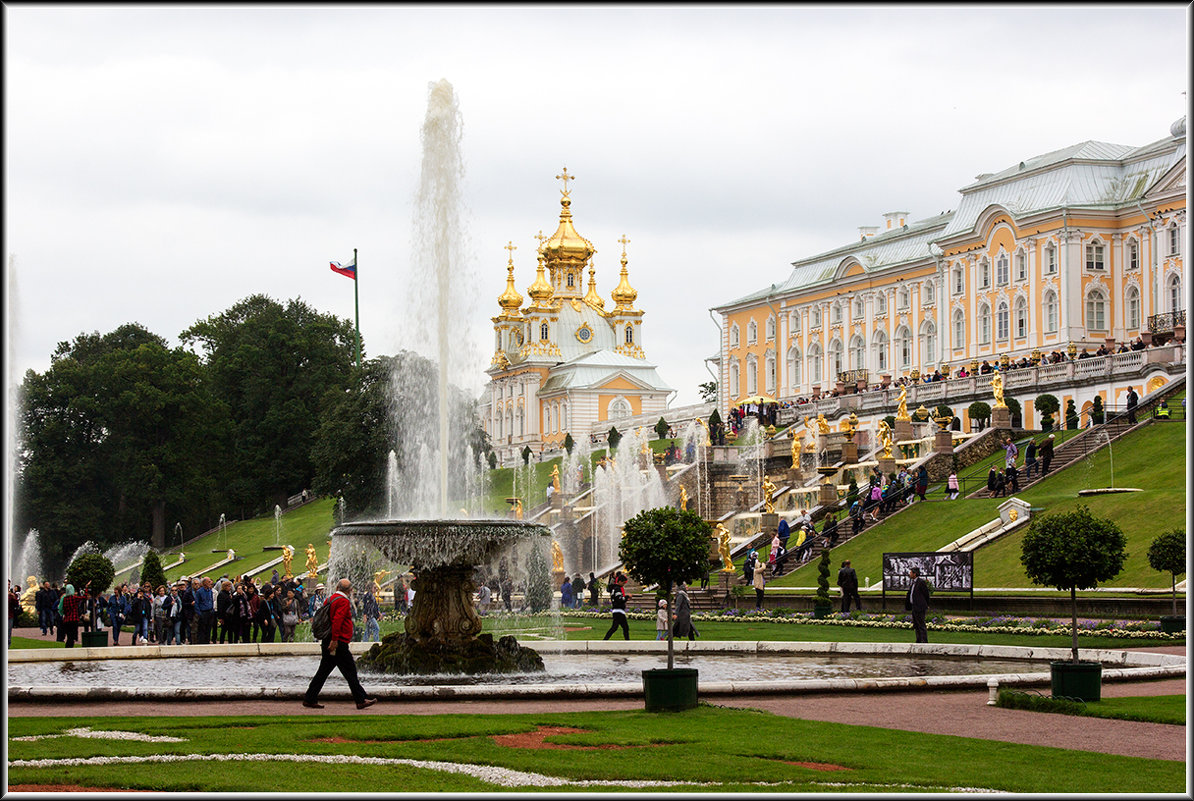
(661, 621)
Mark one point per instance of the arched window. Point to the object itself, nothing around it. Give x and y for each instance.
(1133, 254)
(836, 364)
(571, 280)
(816, 322)
(959, 280)
(1021, 266)
(619, 408)
(522, 427)
(879, 346)
(1095, 255)
(1001, 321)
(770, 328)
(769, 374)
(903, 342)
(1021, 318)
(1050, 259)
(1174, 240)
(815, 364)
(564, 416)
(734, 335)
(1174, 287)
(857, 353)
(1133, 307)
(795, 321)
(629, 334)
(752, 374)
(984, 273)
(752, 332)
(1001, 271)
(959, 329)
(1050, 305)
(793, 368)
(928, 339)
(734, 393)
(984, 324)
(1096, 310)
(543, 332)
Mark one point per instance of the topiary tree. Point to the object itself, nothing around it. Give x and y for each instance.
(492, 460)
(526, 454)
(92, 572)
(613, 437)
(1047, 405)
(1073, 551)
(823, 604)
(665, 546)
(151, 570)
(1014, 410)
(661, 429)
(715, 429)
(942, 411)
(852, 492)
(1097, 413)
(538, 580)
(569, 443)
(1167, 554)
(1071, 415)
(980, 413)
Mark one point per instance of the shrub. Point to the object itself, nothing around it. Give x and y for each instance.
(980, 413)
(91, 567)
(569, 443)
(1071, 415)
(1167, 554)
(151, 570)
(1097, 414)
(823, 580)
(661, 428)
(614, 437)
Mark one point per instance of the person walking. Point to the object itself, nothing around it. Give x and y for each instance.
(922, 481)
(760, 582)
(70, 608)
(566, 593)
(290, 615)
(1133, 399)
(682, 615)
(594, 590)
(118, 612)
(992, 481)
(372, 613)
(661, 621)
(951, 485)
(578, 591)
(44, 603)
(1046, 454)
(334, 652)
(618, 611)
(142, 614)
(918, 602)
(847, 580)
(1030, 465)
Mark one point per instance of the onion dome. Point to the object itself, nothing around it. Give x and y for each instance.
(566, 245)
(591, 297)
(624, 294)
(540, 291)
(1178, 129)
(510, 300)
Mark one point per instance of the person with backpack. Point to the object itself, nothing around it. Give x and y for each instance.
(332, 626)
(618, 611)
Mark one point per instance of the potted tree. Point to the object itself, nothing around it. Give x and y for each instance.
(822, 606)
(1167, 554)
(93, 572)
(666, 546)
(1072, 551)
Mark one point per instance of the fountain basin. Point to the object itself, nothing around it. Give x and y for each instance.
(440, 543)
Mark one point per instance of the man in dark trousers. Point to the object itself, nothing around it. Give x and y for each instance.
(918, 602)
(334, 652)
(618, 611)
(1133, 399)
(847, 579)
(1046, 454)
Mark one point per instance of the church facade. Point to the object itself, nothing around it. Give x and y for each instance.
(1070, 250)
(564, 363)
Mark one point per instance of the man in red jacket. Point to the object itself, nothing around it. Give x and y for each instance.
(334, 652)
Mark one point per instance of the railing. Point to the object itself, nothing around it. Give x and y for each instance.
(1166, 321)
(853, 376)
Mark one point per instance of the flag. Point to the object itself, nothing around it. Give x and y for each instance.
(349, 269)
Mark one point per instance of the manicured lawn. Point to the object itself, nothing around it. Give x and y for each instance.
(1148, 708)
(707, 749)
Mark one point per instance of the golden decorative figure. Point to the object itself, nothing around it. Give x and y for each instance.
(853, 422)
(884, 435)
(823, 425)
(287, 556)
(797, 446)
(378, 578)
(683, 498)
(1012, 514)
(723, 548)
(997, 388)
(768, 495)
(902, 404)
(555, 477)
(705, 427)
(29, 596)
(312, 561)
(557, 557)
(518, 509)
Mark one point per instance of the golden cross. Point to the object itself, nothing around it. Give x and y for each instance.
(511, 247)
(624, 242)
(565, 177)
(541, 238)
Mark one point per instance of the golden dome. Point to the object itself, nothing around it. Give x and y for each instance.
(510, 300)
(591, 297)
(566, 245)
(540, 291)
(624, 294)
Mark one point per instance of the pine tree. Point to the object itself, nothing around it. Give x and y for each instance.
(151, 570)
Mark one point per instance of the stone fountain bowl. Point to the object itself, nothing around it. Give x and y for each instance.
(437, 543)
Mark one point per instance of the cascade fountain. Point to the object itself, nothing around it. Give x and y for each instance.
(442, 630)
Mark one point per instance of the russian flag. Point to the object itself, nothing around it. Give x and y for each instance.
(349, 269)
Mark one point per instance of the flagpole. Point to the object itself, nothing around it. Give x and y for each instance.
(356, 292)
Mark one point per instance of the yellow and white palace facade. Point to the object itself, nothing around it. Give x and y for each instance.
(1078, 247)
(564, 363)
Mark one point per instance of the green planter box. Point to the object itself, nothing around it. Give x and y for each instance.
(93, 639)
(670, 690)
(1082, 680)
(1171, 624)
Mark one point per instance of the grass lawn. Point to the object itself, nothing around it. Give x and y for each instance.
(1148, 708)
(1152, 459)
(708, 749)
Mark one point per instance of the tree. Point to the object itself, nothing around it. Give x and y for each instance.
(943, 411)
(1073, 551)
(716, 429)
(1015, 411)
(614, 437)
(823, 603)
(890, 420)
(661, 428)
(93, 568)
(980, 413)
(492, 460)
(526, 454)
(151, 570)
(1047, 405)
(569, 443)
(1097, 413)
(1167, 554)
(665, 546)
(708, 392)
(1071, 415)
(538, 580)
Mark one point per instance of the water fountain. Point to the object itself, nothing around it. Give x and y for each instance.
(1103, 437)
(277, 525)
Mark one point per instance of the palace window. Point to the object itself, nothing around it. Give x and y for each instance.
(1094, 256)
(880, 348)
(793, 368)
(1050, 312)
(929, 292)
(816, 322)
(752, 333)
(857, 308)
(984, 324)
(837, 312)
(1050, 259)
(959, 329)
(836, 361)
(734, 393)
(544, 332)
(959, 281)
(769, 378)
(904, 299)
(1174, 285)
(1021, 266)
(904, 346)
(857, 353)
(752, 374)
(815, 363)
(1001, 322)
(1096, 311)
(984, 274)
(795, 321)
(1001, 272)
(1174, 240)
(1133, 254)
(619, 409)
(928, 339)
(734, 335)
(770, 329)
(1133, 304)
(881, 303)
(1021, 318)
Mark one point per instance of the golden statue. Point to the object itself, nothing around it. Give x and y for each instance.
(723, 548)
(705, 426)
(29, 596)
(287, 555)
(823, 425)
(797, 446)
(557, 557)
(853, 418)
(378, 577)
(884, 437)
(312, 561)
(518, 509)
(768, 495)
(683, 498)
(555, 477)
(997, 388)
(902, 404)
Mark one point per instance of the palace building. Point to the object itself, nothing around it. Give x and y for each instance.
(1072, 249)
(564, 363)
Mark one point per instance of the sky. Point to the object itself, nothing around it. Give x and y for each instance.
(164, 162)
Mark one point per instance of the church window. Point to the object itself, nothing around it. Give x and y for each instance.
(984, 274)
(880, 348)
(1001, 274)
(1094, 256)
(752, 332)
(734, 335)
(1001, 322)
(1096, 311)
(1021, 318)
(1050, 311)
(984, 324)
(571, 280)
(1021, 266)
(629, 334)
(1050, 259)
(1174, 240)
(543, 332)
(904, 345)
(959, 329)
(1133, 302)
(1133, 254)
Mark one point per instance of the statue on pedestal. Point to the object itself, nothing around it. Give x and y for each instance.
(312, 561)
(997, 388)
(823, 425)
(287, 556)
(683, 498)
(555, 478)
(723, 548)
(902, 404)
(797, 447)
(557, 557)
(884, 437)
(768, 495)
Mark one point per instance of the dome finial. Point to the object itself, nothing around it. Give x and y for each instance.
(510, 300)
(540, 291)
(624, 294)
(591, 297)
(565, 177)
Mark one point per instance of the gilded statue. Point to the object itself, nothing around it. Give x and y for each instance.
(723, 548)
(705, 427)
(378, 577)
(518, 509)
(823, 425)
(557, 557)
(683, 498)
(287, 556)
(29, 596)
(884, 436)
(902, 404)
(997, 388)
(768, 495)
(312, 561)
(555, 478)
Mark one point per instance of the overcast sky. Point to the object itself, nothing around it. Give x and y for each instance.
(164, 162)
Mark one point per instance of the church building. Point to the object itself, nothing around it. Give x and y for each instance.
(564, 363)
